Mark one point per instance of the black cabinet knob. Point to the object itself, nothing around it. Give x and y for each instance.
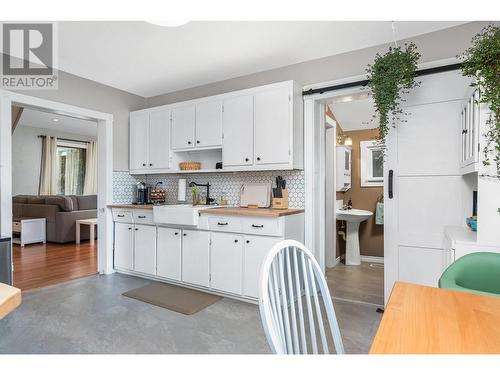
(150, 164)
(248, 241)
(189, 142)
(185, 234)
(258, 158)
(198, 142)
(176, 233)
(129, 228)
(235, 241)
(246, 159)
(143, 164)
(136, 228)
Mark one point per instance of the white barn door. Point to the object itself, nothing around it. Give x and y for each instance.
(423, 155)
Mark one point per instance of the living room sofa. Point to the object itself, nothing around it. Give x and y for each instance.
(60, 211)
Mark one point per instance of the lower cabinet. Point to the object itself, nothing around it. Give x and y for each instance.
(195, 257)
(226, 262)
(168, 253)
(145, 249)
(124, 246)
(255, 250)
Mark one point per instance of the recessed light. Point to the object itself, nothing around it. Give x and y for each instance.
(55, 119)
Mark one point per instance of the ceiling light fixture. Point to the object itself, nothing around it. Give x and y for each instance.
(55, 119)
(171, 23)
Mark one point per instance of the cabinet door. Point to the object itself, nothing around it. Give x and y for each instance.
(273, 126)
(168, 253)
(237, 120)
(139, 129)
(255, 249)
(226, 257)
(208, 124)
(159, 140)
(195, 257)
(145, 249)
(183, 127)
(124, 246)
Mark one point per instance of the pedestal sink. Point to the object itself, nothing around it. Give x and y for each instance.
(353, 218)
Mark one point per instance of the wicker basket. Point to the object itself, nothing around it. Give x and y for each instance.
(189, 166)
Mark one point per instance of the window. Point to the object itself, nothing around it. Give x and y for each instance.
(71, 157)
(372, 163)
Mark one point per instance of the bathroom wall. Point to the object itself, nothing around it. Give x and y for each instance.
(371, 236)
(226, 183)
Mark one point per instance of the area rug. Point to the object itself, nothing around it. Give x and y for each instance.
(183, 300)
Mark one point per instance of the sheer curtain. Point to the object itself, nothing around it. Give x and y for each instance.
(48, 167)
(90, 185)
(72, 168)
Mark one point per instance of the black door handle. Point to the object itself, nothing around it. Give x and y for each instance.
(257, 226)
(221, 223)
(141, 217)
(390, 187)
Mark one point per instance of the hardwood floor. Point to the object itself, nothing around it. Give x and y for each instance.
(39, 265)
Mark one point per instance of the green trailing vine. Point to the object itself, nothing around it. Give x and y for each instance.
(390, 76)
(482, 62)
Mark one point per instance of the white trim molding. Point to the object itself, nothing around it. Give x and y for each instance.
(372, 259)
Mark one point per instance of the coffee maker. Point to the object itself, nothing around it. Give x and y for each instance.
(142, 193)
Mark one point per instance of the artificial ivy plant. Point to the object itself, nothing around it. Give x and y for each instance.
(482, 62)
(390, 76)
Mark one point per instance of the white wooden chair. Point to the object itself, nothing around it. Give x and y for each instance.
(290, 304)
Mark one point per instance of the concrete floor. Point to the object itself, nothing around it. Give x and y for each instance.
(90, 315)
(364, 283)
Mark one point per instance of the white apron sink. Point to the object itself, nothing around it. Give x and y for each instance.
(178, 214)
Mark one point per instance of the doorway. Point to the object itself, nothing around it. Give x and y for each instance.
(104, 153)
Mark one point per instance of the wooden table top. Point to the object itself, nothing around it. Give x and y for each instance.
(10, 298)
(424, 320)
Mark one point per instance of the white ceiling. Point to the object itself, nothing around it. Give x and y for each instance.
(354, 113)
(148, 60)
(45, 120)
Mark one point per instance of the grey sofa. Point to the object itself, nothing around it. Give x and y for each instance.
(60, 211)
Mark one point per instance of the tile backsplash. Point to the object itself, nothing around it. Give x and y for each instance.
(227, 184)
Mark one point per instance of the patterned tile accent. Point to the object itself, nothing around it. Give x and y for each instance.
(227, 184)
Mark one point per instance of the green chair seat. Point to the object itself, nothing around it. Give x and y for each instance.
(477, 273)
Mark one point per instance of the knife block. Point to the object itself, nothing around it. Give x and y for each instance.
(280, 203)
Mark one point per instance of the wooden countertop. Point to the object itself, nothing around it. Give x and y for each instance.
(424, 320)
(136, 206)
(10, 298)
(241, 211)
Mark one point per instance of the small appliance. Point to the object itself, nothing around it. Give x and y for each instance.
(143, 193)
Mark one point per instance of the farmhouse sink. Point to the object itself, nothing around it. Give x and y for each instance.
(178, 214)
(353, 218)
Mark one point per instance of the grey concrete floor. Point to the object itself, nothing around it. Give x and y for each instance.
(90, 315)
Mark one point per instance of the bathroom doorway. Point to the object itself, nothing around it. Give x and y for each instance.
(354, 187)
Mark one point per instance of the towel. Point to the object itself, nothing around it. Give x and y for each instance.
(379, 214)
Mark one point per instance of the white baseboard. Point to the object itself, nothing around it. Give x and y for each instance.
(366, 258)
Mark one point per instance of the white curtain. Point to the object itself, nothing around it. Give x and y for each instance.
(72, 168)
(48, 167)
(90, 185)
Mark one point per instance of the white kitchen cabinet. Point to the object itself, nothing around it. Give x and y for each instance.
(182, 126)
(208, 124)
(419, 265)
(168, 253)
(195, 257)
(124, 246)
(159, 140)
(237, 122)
(149, 141)
(226, 262)
(470, 128)
(139, 130)
(272, 126)
(145, 249)
(255, 250)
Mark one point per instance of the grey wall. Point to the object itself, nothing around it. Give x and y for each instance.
(26, 156)
(92, 95)
(433, 46)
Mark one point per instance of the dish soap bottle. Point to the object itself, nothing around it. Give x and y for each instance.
(349, 204)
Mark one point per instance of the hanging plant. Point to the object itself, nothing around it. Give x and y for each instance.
(482, 62)
(390, 76)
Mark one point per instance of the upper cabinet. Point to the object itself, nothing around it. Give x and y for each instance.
(470, 133)
(253, 129)
(150, 141)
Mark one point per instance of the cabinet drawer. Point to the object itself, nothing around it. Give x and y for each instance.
(123, 216)
(16, 226)
(143, 217)
(225, 224)
(262, 226)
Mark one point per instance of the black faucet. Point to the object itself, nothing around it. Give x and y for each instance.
(207, 185)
